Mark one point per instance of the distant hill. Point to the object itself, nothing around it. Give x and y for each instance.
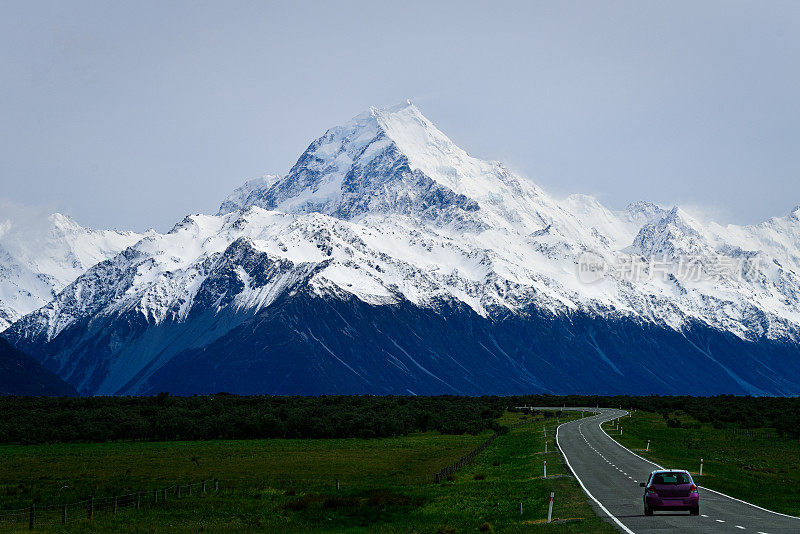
(22, 375)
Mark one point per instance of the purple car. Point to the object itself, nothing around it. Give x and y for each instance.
(670, 489)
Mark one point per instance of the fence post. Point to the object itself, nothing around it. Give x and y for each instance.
(91, 507)
(64, 515)
(550, 508)
(32, 518)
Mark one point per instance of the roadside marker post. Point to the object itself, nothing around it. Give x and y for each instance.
(648, 445)
(520, 507)
(545, 469)
(545, 447)
(550, 508)
(701, 467)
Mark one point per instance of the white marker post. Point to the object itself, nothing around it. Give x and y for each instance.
(545, 447)
(520, 507)
(620, 431)
(648, 445)
(545, 469)
(550, 508)
(701, 467)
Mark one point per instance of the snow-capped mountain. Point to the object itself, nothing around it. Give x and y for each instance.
(389, 260)
(39, 257)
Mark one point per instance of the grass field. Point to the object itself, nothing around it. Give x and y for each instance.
(761, 468)
(386, 485)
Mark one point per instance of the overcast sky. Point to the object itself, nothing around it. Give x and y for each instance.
(133, 114)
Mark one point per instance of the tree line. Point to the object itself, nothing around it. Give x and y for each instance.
(169, 418)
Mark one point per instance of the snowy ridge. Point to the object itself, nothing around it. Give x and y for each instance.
(389, 211)
(39, 258)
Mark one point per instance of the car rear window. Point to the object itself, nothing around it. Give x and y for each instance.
(671, 478)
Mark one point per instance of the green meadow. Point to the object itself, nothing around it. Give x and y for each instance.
(287, 485)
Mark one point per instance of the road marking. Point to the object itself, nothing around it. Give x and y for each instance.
(585, 490)
(703, 515)
(740, 527)
(701, 487)
(719, 520)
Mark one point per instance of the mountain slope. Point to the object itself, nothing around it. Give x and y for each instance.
(22, 375)
(389, 260)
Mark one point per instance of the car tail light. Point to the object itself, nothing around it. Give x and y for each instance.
(651, 489)
(693, 488)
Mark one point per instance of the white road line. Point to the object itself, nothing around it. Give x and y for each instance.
(586, 491)
(703, 515)
(740, 527)
(701, 487)
(719, 520)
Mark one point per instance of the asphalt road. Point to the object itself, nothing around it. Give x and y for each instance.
(610, 475)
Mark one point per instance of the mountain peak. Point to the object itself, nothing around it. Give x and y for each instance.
(402, 106)
(389, 160)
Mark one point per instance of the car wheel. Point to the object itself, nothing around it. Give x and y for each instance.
(695, 511)
(647, 510)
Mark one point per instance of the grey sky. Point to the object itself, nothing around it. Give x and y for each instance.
(132, 114)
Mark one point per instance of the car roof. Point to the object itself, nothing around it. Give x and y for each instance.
(670, 471)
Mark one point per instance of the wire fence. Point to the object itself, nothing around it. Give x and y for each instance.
(39, 516)
(450, 469)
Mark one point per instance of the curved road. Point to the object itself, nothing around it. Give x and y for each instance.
(610, 474)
